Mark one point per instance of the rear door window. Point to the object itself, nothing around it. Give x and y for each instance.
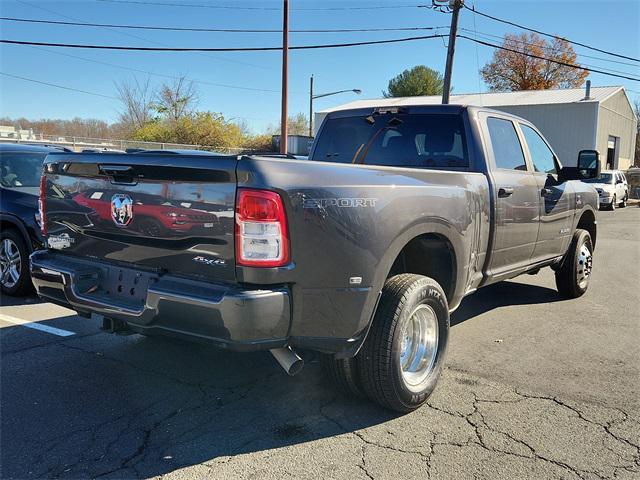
(541, 155)
(507, 150)
(394, 139)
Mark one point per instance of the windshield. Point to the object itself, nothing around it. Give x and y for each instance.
(21, 169)
(603, 178)
(394, 139)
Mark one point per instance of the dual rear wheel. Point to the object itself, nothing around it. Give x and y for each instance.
(402, 357)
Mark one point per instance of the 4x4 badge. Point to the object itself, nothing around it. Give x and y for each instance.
(121, 209)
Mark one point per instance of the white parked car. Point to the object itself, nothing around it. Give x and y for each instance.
(612, 187)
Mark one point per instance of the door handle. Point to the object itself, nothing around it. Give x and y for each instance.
(504, 192)
(545, 192)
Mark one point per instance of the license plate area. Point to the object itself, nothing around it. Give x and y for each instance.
(126, 285)
(115, 285)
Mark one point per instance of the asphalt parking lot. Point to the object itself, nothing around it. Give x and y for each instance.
(536, 387)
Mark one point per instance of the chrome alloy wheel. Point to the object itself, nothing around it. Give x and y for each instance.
(584, 265)
(10, 263)
(419, 346)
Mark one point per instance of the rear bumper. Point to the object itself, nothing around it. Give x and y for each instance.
(228, 316)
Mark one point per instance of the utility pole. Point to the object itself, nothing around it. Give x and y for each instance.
(311, 106)
(285, 78)
(453, 33)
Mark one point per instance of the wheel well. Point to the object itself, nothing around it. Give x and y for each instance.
(431, 255)
(10, 225)
(588, 222)
(7, 225)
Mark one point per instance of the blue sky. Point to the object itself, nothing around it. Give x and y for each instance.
(611, 25)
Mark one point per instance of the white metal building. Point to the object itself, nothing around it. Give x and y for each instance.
(569, 118)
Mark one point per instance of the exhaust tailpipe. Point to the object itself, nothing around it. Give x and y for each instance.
(288, 359)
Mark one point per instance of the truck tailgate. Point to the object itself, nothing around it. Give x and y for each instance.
(170, 213)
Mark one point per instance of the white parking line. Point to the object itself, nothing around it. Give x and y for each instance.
(35, 325)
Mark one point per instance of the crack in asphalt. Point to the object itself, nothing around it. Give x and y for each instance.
(606, 427)
(208, 399)
(363, 465)
(477, 421)
(127, 462)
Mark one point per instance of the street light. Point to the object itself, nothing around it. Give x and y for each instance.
(312, 97)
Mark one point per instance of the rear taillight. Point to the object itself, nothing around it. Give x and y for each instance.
(42, 204)
(262, 239)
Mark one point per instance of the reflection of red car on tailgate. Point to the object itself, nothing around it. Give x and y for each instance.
(152, 215)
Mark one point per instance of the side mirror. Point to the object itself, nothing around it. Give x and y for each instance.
(588, 164)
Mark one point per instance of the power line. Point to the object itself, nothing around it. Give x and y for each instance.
(222, 30)
(473, 9)
(146, 72)
(603, 72)
(57, 86)
(548, 48)
(216, 49)
(44, 9)
(304, 47)
(237, 7)
(40, 82)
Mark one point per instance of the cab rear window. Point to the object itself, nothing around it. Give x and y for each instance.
(394, 139)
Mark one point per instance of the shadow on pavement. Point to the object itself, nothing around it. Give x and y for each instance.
(110, 406)
(7, 301)
(501, 295)
(133, 407)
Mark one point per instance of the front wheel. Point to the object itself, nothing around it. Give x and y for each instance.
(572, 278)
(403, 355)
(613, 203)
(623, 203)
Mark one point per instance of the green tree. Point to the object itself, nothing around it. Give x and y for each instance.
(259, 142)
(207, 129)
(420, 80)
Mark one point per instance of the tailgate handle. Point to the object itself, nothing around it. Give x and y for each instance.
(122, 174)
(115, 169)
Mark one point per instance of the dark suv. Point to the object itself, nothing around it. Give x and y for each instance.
(20, 172)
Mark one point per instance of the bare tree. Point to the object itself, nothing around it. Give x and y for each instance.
(177, 99)
(76, 127)
(137, 101)
(298, 125)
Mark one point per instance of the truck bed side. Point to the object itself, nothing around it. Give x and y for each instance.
(348, 223)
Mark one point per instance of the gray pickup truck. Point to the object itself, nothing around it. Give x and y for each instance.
(360, 252)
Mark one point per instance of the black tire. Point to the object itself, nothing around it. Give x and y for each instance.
(23, 284)
(381, 374)
(343, 373)
(623, 203)
(568, 275)
(613, 203)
